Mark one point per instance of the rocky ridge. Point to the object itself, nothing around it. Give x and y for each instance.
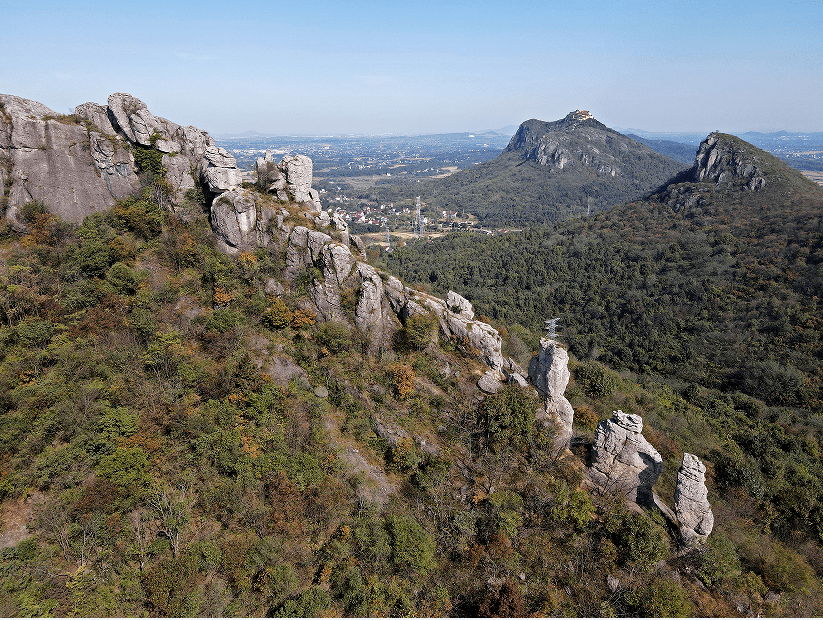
(576, 140)
(720, 159)
(99, 166)
(81, 163)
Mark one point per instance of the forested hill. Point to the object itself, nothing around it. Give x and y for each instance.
(709, 284)
(548, 173)
(708, 280)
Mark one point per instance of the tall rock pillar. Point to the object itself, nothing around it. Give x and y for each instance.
(549, 372)
(691, 504)
(623, 460)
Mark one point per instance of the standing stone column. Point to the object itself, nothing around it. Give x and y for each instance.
(623, 460)
(691, 504)
(549, 372)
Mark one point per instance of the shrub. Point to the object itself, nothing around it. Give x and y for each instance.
(403, 456)
(640, 539)
(122, 279)
(596, 380)
(336, 337)
(402, 380)
(412, 547)
(661, 598)
(421, 330)
(277, 315)
(507, 418)
(310, 604)
(141, 216)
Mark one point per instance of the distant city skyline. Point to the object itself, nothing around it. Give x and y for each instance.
(320, 67)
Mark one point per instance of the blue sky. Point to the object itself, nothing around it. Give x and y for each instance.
(317, 67)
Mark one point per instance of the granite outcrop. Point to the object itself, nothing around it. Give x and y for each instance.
(720, 159)
(81, 163)
(623, 461)
(549, 374)
(691, 504)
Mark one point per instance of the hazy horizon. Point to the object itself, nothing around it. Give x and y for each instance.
(371, 68)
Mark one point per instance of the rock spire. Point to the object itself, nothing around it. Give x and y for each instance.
(549, 373)
(691, 504)
(623, 460)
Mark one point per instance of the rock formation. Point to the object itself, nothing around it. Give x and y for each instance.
(49, 157)
(622, 459)
(691, 506)
(723, 159)
(292, 175)
(549, 373)
(81, 163)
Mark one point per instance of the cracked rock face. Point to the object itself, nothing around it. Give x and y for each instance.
(549, 372)
(292, 175)
(622, 459)
(691, 504)
(49, 158)
(234, 220)
(718, 160)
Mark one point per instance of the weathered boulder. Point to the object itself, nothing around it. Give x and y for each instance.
(691, 504)
(373, 315)
(234, 220)
(490, 382)
(623, 461)
(549, 372)
(459, 305)
(132, 117)
(220, 171)
(298, 172)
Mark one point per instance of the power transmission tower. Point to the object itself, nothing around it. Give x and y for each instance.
(388, 238)
(552, 326)
(419, 226)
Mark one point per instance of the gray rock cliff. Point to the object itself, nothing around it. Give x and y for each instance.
(50, 157)
(720, 159)
(79, 164)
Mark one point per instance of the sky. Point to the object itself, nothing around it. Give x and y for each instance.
(333, 67)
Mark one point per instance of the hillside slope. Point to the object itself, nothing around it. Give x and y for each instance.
(243, 417)
(550, 172)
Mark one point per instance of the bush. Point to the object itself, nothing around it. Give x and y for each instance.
(122, 279)
(412, 547)
(596, 380)
(310, 604)
(336, 337)
(402, 380)
(640, 539)
(141, 216)
(277, 315)
(661, 598)
(507, 418)
(421, 330)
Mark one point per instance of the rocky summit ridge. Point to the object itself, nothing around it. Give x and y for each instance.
(81, 164)
(578, 139)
